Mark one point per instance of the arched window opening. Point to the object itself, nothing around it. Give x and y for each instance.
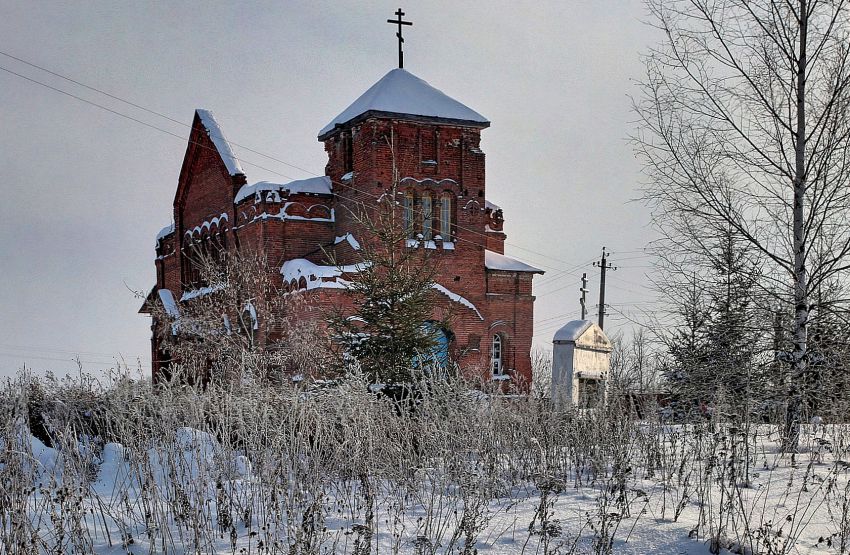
(427, 217)
(248, 323)
(496, 353)
(408, 214)
(347, 152)
(437, 358)
(446, 217)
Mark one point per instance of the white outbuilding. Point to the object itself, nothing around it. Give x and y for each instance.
(581, 359)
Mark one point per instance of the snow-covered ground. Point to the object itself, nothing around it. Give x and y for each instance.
(586, 483)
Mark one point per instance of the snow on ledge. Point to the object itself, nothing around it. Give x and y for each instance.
(217, 136)
(314, 185)
(496, 261)
(164, 232)
(208, 224)
(457, 298)
(282, 215)
(491, 206)
(351, 241)
(429, 180)
(203, 291)
(316, 276)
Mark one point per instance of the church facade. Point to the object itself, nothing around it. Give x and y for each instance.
(401, 135)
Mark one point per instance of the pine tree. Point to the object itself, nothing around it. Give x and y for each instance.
(714, 352)
(389, 334)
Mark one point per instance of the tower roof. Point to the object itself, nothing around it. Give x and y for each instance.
(400, 93)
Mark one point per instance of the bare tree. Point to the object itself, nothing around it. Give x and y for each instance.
(237, 323)
(743, 124)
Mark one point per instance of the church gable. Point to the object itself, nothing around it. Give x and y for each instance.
(211, 172)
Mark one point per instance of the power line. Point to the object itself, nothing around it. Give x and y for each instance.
(151, 126)
(145, 109)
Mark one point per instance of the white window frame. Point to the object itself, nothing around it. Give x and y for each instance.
(497, 355)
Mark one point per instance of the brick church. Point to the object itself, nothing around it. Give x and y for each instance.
(432, 142)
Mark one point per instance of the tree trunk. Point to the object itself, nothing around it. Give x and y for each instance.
(801, 300)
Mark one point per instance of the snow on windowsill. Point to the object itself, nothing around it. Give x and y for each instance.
(430, 244)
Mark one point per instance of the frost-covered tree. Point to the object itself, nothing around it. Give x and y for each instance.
(236, 323)
(743, 117)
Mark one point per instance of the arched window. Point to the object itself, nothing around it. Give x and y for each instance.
(248, 323)
(496, 355)
(408, 214)
(446, 216)
(427, 216)
(438, 356)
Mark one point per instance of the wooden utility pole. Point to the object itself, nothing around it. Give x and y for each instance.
(603, 266)
(583, 299)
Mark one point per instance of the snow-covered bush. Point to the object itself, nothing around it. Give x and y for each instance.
(341, 469)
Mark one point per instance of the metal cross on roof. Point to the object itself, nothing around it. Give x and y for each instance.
(399, 22)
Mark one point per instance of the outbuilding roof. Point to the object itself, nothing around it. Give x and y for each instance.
(496, 261)
(399, 92)
(572, 330)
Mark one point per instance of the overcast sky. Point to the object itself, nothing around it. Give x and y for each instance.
(85, 190)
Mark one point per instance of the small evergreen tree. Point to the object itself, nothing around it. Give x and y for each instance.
(389, 335)
(714, 354)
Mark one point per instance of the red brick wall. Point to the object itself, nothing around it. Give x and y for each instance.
(427, 158)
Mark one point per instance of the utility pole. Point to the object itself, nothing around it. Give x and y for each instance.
(603, 266)
(583, 299)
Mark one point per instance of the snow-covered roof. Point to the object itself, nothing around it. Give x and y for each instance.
(496, 261)
(491, 206)
(572, 330)
(314, 185)
(316, 275)
(217, 136)
(168, 303)
(401, 92)
(456, 298)
(164, 232)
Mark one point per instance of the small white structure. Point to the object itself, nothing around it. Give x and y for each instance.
(581, 359)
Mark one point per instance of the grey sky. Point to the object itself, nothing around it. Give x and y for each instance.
(85, 191)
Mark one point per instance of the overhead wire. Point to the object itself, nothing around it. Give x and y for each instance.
(547, 281)
(251, 163)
